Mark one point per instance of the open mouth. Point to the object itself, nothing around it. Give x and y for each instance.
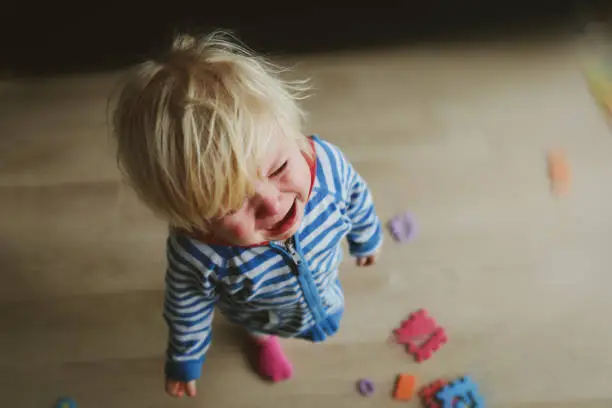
(286, 223)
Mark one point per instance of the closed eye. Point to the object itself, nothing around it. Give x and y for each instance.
(280, 169)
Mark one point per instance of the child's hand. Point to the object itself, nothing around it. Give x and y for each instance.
(367, 260)
(178, 389)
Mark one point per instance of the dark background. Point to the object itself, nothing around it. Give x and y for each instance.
(53, 38)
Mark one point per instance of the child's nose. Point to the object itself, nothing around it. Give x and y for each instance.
(269, 204)
(267, 197)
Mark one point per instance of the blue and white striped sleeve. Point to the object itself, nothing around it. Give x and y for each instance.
(365, 236)
(190, 297)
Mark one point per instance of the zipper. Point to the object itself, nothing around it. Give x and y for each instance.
(290, 245)
(306, 283)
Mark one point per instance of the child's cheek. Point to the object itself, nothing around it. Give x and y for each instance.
(239, 230)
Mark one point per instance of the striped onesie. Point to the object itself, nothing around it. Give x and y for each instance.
(288, 289)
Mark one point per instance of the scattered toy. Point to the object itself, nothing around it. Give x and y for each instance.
(428, 393)
(462, 392)
(431, 345)
(402, 227)
(404, 387)
(420, 325)
(558, 172)
(417, 325)
(365, 387)
(65, 402)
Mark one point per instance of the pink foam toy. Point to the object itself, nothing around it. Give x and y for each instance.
(431, 345)
(417, 325)
(421, 335)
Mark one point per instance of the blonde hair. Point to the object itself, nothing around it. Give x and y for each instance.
(191, 126)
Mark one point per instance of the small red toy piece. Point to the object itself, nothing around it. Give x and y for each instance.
(419, 326)
(431, 345)
(428, 393)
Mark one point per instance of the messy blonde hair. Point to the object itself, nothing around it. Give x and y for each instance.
(191, 126)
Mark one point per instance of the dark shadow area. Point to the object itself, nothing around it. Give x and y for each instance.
(54, 39)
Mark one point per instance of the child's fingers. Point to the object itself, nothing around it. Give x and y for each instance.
(191, 388)
(366, 260)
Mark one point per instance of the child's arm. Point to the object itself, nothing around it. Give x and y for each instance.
(189, 302)
(365, 237)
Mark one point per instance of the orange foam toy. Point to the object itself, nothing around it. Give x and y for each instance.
(404, 387)
(559, 172)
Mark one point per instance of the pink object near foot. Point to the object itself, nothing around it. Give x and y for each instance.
(272, 361)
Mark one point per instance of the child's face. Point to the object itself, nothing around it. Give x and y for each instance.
(275, 210)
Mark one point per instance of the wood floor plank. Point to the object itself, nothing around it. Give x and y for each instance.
(455, 133)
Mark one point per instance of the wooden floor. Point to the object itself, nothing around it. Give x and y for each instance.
(457, 134)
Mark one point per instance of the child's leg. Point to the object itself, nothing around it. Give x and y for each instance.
(273, 363)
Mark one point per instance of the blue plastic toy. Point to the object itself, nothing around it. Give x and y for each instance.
(461, 393)
(65, 403)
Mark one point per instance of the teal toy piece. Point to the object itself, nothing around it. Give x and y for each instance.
(461, 393)
(65, 403)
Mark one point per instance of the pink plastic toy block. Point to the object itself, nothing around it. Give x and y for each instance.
(421, 335)
(417, 325)
(431, 345)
